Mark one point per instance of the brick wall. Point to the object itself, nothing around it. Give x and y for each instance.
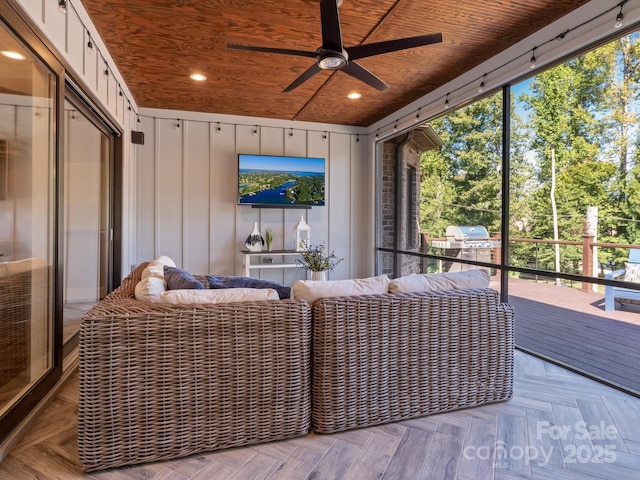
(409, 198)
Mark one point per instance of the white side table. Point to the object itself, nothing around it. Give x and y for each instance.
(287, 261)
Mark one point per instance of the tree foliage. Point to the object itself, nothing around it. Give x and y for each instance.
(584, 113)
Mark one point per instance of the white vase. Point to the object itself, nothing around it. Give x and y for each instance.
(255, 241)
(320, 276)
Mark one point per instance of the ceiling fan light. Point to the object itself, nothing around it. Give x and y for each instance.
(332, 62)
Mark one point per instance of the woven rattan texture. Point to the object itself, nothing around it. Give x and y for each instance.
(19, 292)
(383, 358)
(163, 381)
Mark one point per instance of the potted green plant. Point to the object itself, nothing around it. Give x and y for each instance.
(317, 261)
(268, 237)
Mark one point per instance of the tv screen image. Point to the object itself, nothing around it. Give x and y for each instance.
(280, 181)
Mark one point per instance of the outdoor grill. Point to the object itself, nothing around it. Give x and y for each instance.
(470, 242)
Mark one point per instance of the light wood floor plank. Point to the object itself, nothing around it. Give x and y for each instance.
(633, 447)
(478, 452)
(300, 463)
(624, 416)
(511, 448)
(409, 458)
(337, 461)
(168, 474)
(215, 471)
(552, 472)
(607, 471)
(600, 426)
(444, 455)
(548, 449)
(374, 458)
(260, 467)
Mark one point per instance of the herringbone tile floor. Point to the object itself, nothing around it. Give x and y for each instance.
(559, 425)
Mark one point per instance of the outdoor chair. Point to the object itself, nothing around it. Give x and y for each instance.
(629, 274)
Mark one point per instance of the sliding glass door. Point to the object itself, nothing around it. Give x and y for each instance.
(87, 238)
(28, 120)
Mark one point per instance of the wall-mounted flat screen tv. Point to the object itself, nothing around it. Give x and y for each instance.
(271, 180)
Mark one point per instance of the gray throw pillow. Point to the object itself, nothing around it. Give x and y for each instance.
(220, 281)
(178, 279)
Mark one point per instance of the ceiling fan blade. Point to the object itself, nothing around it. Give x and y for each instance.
(331, 36)
(365, 76)
(310, 72)
(370, 49)
(283, 51)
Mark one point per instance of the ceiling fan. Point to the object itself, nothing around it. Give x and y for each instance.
(332, 55)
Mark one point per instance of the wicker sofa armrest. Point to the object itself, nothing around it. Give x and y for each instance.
(383, 358)
(163, 381)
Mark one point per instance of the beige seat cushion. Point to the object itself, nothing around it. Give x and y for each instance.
(310, 290)
(440, 281)
(226, 295)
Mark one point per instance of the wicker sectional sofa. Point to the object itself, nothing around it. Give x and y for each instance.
(384, 358)
(164, 381)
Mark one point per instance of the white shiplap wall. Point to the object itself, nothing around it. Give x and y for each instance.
(187, 192)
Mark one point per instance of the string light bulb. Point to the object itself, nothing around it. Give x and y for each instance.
(255, 131)
(62, 6)
(395, 126)
(532, 62)
(418, 114)
(619, 17)
(446, 102)
(481, 87)
(90, 47)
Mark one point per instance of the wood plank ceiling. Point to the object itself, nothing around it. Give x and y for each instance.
(157, 44)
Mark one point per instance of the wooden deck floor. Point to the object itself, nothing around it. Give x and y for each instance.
(570, 327)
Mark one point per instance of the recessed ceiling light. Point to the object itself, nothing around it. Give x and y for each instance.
(198, 77)
(14, 55)
(354, 95)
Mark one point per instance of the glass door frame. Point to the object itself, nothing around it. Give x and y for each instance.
(24, 32)
(79, 103)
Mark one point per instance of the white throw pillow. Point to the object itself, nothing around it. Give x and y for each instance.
(163, 259)
(152, 282)
(223, 295)
(150, 288)
(434, 282)
(310, 290)
(156, 267)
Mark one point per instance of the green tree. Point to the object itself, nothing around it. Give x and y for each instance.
(564, 108)
(461, 182)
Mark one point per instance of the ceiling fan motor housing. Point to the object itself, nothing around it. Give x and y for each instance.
(331, 59)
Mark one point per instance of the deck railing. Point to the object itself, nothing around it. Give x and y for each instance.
(589, 250)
